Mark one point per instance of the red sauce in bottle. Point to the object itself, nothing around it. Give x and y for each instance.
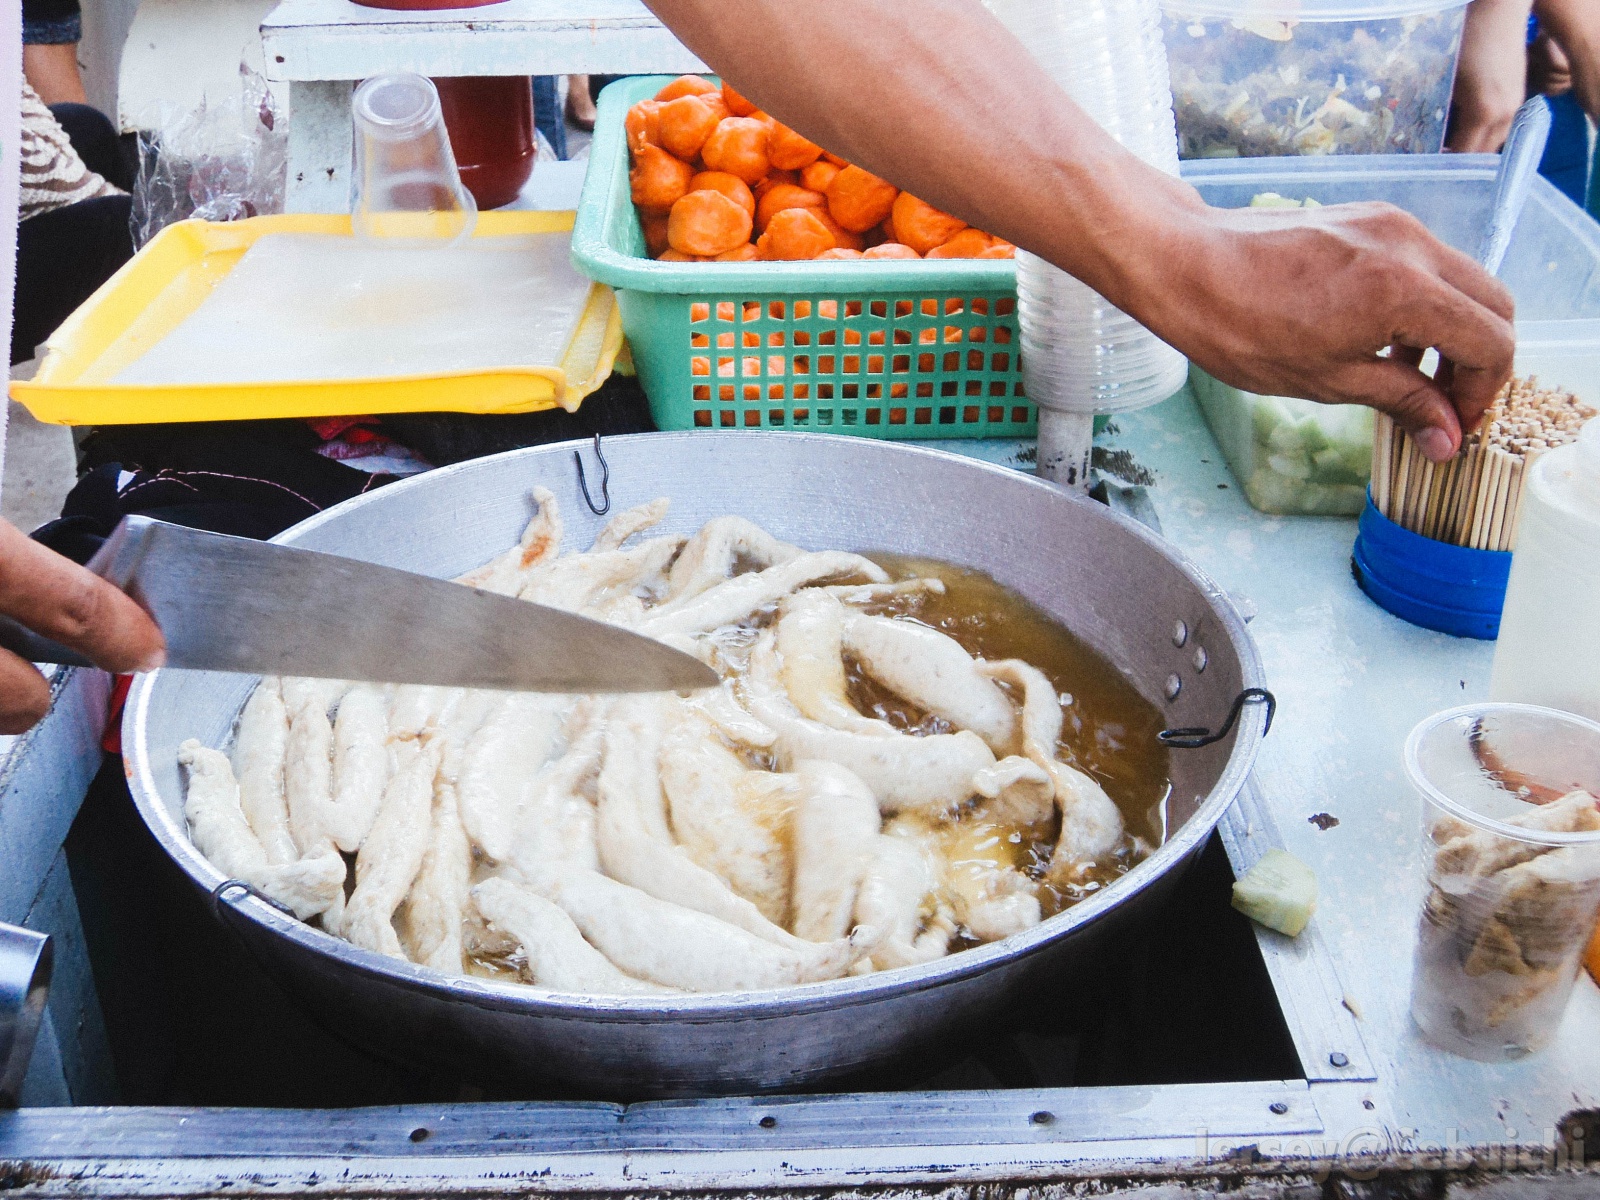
(490, 119)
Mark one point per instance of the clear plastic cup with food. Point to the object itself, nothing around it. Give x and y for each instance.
(1511, 855)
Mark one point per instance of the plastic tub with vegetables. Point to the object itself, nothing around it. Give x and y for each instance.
(1259, 78)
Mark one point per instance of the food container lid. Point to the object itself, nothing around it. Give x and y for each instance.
(1307, 10)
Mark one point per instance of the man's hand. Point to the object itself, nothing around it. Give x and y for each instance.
(1300, 302)
(56, 597)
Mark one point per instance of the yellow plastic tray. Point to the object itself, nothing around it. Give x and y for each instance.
(167, 280)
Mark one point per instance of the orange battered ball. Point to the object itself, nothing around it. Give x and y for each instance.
(738, 106)
(731, 186)
(776, 179)
(738, 146)
(969, 243)
(818, 175)
(785, 195)
(859, 200)
(685, 125)
(643, 125)
(795, 234)
(847, 238)
(659, 180)
(788, 151)
(685, 85)
(839, 253)
(922, 226)
(707, 223)
(891, 250)
(744, 253)
(654, 225)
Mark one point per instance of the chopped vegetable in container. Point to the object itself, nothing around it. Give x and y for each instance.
(1248, 84)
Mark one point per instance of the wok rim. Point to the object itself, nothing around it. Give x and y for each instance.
(709, 1007)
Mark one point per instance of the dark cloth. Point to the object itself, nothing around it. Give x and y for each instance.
(246, 478)
(257, 478)
(96, 141)
(51, 22)
(1566, 154)
(443, 438)
(62, 257)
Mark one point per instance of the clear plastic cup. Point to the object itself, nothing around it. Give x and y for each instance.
(405, 186)
(1080, 353)
(1511, 854)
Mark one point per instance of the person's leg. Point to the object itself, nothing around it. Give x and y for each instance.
(52, 69)
(51, 30)
(62, 257)
(95, 139)
(580, 104)
(547, 115)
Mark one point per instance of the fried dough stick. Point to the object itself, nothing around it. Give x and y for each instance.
(217, 824)
(668, 944)
(636, 846)
(394, 849)
(258, 757)
(558, 957)
(1091, 824)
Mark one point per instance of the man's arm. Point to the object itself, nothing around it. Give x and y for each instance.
(1574, 25)
(1492, 76)
(940, 99)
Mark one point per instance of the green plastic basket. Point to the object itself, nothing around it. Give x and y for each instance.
(892, 349)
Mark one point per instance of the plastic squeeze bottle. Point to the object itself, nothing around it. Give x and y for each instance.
(1549, 649)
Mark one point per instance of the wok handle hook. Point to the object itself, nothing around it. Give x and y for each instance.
(604, 506)
(219, 896)
(1194, 737)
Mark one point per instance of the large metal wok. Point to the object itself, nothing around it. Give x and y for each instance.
(1113, 582)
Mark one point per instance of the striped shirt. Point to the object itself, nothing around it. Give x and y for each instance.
(53, 176)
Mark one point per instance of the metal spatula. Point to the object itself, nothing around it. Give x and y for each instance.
(233, 604)
(1519, 165)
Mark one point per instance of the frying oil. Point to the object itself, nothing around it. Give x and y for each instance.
(1109, 731)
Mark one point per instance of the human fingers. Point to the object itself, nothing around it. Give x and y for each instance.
(1478, 345)
(1417, 403)
(56, 597)
(24, 695)
(1466, 275)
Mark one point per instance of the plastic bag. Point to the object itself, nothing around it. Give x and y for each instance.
(221, 162)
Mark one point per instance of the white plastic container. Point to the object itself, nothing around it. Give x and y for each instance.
(1259, 78)
(1291, 457)
(1549, 648)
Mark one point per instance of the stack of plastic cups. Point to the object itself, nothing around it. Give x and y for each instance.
(1081, 355)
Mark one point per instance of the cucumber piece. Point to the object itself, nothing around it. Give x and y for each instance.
(1296, 467)
(1279, 892)
(1265, 414)
(1285, 439)
(1312, 435)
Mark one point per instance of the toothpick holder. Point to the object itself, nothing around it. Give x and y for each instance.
(1451, 589)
